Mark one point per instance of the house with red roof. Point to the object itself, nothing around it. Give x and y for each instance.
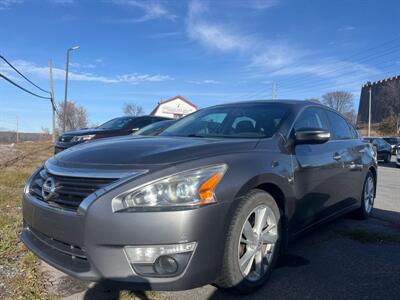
(175, 107)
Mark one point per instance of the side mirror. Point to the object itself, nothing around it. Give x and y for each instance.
(311, 136)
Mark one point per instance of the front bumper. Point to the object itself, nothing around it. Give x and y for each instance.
(90, 246)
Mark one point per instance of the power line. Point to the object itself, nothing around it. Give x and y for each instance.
(22, 75)
(335, 70)
(387, 51)
(22, 88)
(308, 82)
(352, 55)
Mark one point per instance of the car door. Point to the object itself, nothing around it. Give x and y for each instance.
(348, 152)
(316, 171)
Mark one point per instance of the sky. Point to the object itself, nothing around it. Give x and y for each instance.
(210, 52)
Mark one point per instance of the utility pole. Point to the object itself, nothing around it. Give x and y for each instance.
(53, 105)
(17, 130)
(66, 85)
(273, 91)
(369, 107)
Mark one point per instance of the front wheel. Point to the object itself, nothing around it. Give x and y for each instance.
(388, 158)
(367, 198)
(252, 243)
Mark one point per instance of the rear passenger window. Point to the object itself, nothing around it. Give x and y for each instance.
(312, 118)
(340, 128)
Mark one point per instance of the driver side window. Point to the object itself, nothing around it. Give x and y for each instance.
(312, 118)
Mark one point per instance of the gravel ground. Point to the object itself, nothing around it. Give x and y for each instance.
(341, 260)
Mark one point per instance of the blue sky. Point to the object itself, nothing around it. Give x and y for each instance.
(208, 51)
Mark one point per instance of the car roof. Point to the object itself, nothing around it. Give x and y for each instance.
(298, 103)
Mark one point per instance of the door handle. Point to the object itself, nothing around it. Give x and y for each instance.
(337, 156)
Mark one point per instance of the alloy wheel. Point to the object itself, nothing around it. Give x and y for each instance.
(369, 193)
(257, 242)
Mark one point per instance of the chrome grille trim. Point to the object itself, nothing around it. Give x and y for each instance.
(70, 191)
(33, 186)
(91, 173)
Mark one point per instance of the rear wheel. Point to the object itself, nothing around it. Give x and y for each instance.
(368, 197)
(252, 244)
(388, 158)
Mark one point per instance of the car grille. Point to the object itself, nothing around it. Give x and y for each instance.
(69, 191)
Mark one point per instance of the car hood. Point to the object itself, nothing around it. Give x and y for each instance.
(86, 131)
(142, 151)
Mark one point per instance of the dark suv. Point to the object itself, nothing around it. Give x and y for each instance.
(213, 199)
(114, 127)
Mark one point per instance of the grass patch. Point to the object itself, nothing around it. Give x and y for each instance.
(369, 237)
(20, 272)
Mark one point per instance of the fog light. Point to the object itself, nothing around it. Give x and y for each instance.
(166, 265)
(149, 254)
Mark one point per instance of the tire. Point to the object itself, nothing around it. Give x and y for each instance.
(238, 245)
(388, 158)
(365, 210)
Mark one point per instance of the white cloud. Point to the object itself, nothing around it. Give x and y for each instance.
(204, 81)
(262, 4)
(152, 10)
(63, 1)
(269, 58)
(83, 66)
(164, 35)
(212, 35)
(347, 28)
(29, 68)
(224, 39)
(5, 4)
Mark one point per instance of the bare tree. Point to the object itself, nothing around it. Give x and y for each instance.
(341, 101)
(351, 116)
(76, 116)
(132, 109)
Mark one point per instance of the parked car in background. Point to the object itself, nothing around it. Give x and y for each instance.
(398, 157)
(383, 148)
(213, 199)
(154, 129)
(114, 127)
(394, 142)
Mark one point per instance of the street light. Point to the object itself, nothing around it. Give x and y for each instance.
(369, 107)
(66, 85)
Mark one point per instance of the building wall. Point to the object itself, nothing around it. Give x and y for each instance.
(174, 109)
(378, 110)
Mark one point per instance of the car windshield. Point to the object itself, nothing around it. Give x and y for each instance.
(231, 121)
(155, 128)
(391, 140)
(116, 123)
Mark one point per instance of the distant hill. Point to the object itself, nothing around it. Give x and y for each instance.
(11, 137)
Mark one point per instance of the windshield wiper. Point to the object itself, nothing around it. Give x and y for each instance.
(195, 135)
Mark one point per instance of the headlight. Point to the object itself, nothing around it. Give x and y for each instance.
(187, 189)
(81, 138)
